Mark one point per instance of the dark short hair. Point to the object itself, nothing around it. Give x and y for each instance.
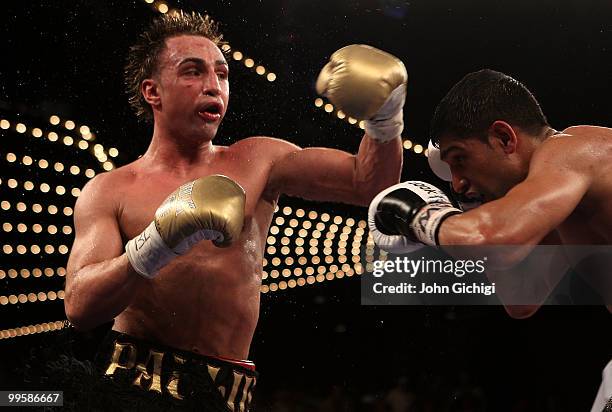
(479, 99)
(143, 58)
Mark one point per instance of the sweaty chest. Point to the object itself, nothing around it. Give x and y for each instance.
(146, 194)
(590, 223)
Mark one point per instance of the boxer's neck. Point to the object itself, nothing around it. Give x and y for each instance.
(178, 154)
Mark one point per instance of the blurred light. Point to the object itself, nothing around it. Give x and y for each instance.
(68, 140)
(163, 8)
(84, 130)
(59, 167)
(52, 136)
(43, 164)
(12, 183)
(107, 166)
(83, 144)
(20, 128)
(318, 102)
(113, 152)
(74, 170)
(237, 55)
(5, 205)
(36, 132)
(36, 228)
(90, 173)
(271, 77)
(5, 124)
(351, 120)
(260, 70)
(44, 188)
(36, 208)
(340, 114)
(407, 144)
(10, 157)
(52, 209)
(27, 160)
(225, 47)
(329, 108)
(69, 124)
(54, 120)
(21, 228)
(68, 211)
(362, 125)
(249, 62)
(418, 149)
(21, 207)
(75, 192)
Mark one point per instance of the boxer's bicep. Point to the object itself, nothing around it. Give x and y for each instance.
(317, 174)
(524, 216)
(97, 235)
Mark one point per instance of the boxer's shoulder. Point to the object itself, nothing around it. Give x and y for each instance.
(575, 147)
(269, 147)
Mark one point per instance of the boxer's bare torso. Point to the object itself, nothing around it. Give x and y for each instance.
(591, 220)
(206, 301)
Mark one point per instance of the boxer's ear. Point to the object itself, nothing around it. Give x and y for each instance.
(150, 92)
(502, 135)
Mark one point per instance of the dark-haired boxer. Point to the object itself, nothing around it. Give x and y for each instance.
(536, 185)
(176, 298)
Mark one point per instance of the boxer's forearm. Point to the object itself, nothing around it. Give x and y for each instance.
(98, 292)
(377, 166)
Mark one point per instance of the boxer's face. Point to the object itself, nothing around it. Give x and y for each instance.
(480, 169)
(193, 87)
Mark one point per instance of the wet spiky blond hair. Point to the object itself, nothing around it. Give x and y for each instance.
(143, 58)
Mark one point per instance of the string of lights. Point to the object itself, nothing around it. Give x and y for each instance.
(163, 8)
(329, 108)
(32, 329)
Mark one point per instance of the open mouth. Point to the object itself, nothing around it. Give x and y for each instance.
(210, 112)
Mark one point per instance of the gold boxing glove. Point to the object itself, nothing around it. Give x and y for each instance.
(209, 208)
(367, 83)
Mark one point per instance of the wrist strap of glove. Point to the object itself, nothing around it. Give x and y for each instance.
(426, 223)
(388, 122)
(148, 253)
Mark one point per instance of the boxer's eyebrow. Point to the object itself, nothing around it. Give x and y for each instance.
(446, 151)
(201, 62)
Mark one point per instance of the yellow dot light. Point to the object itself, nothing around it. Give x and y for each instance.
(249, 62)
(54, 120)
(5, 124)
(237, 55)
(20, 128)
(69, 124)
(163, 8)
(271, 77)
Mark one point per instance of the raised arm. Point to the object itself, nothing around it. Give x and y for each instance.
(365, 83)
(100, 281)
(333, 175)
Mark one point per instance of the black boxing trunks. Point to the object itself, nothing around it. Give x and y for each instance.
(148, 376)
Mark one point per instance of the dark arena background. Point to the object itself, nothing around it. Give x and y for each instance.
(65, 118)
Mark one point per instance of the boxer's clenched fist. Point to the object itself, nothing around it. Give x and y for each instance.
(367, 83)
(209, 208)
